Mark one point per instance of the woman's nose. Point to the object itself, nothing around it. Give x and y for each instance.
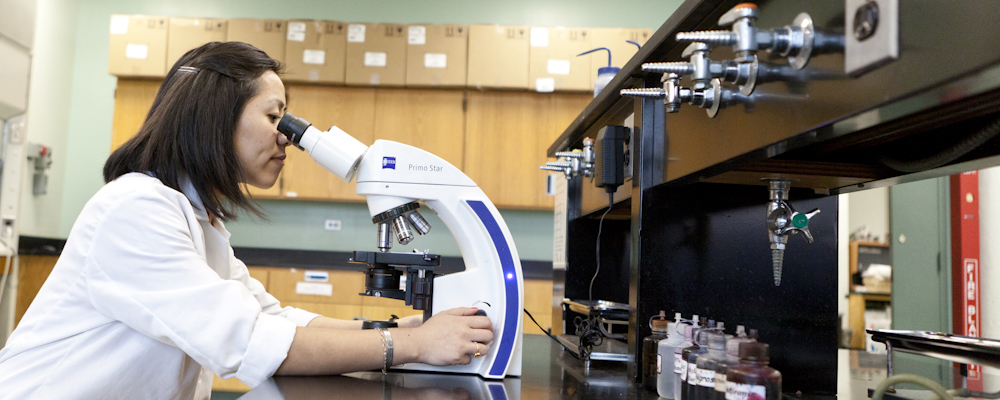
(283, 140)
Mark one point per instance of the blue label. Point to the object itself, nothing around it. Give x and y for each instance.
(388, 162)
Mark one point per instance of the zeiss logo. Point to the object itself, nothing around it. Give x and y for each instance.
(388, 162)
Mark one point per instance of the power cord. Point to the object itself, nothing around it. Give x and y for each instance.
(589, 334)
(549, 334)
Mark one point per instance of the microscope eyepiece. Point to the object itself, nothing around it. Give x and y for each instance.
(293, 127)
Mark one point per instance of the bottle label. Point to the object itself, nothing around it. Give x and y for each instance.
(678, 367)
(742, 391)
(684, 370)
(659, 364)
(692, 373)
(720, 382)
(706, 378)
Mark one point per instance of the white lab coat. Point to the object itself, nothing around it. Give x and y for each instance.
(145, 294)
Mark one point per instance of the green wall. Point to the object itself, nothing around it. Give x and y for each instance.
(298, 225)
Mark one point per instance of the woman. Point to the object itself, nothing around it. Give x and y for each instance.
(147, 299)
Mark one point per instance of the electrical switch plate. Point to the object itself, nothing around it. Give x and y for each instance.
(332, 225)
(871, 34)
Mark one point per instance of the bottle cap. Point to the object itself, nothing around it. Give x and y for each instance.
(741, 331)
(608, 70)
(753, 334)
(717, 341)
(721, 326)
(659, 322)
(754, 351)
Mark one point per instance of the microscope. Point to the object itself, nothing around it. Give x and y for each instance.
(396, 179)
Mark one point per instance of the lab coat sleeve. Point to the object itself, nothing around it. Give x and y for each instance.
(268, 303)
(144, 270)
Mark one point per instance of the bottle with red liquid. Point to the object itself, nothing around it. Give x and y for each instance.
(650, 345)
(732, 358)
(753, 379)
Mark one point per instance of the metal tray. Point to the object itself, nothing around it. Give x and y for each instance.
(960, 349)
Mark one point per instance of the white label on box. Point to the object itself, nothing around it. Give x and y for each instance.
(314, 57)
(136, 51)
(297, 31)
(375, 59)
(545, 85)
(417, 35)
(356, 33)
(539, 37)
(119, 24)
(558, 67)
(314, 288)
(291, 194)
(435, 60)
(317, 276)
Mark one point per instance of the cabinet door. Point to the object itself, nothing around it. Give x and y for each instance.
(350, 109)
(507, 135)
(133, 97)
(430, 120)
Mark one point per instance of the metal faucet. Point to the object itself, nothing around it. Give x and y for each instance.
(576, 162)
(783, 220)
(794, 41)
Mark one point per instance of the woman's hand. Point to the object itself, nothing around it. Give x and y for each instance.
(452, 337)
(412, 321)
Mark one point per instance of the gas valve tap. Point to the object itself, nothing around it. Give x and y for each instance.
(783, 220)
(795, 41)
(576, 162)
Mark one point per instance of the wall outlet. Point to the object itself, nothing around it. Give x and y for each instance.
(332, 225)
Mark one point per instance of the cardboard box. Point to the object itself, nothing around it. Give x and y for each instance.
(498, 57)
(554, 65)
(315, 51)
(265, 34)
(436, 55)
(376, 54)
(189, 33)
(138, 46)
(615, 40)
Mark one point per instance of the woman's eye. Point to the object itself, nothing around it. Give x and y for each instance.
(274, 118)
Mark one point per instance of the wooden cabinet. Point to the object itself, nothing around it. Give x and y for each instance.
(350, 109)
(498, 138)
(133, 98)
(430, 120)
(507, 135)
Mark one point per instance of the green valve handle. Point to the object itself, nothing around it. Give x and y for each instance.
(800, 221)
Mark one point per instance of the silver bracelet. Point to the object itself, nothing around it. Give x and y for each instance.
(386, 348)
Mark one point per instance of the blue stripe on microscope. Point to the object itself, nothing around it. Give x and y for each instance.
(512, 311)
(498, 392)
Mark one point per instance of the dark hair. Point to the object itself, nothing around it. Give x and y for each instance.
(189, 129)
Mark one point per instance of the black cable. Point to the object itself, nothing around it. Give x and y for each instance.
(948, 155)
(549, 334)
(590, 336)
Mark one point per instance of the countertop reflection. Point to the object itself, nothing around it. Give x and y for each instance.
(547, 373)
